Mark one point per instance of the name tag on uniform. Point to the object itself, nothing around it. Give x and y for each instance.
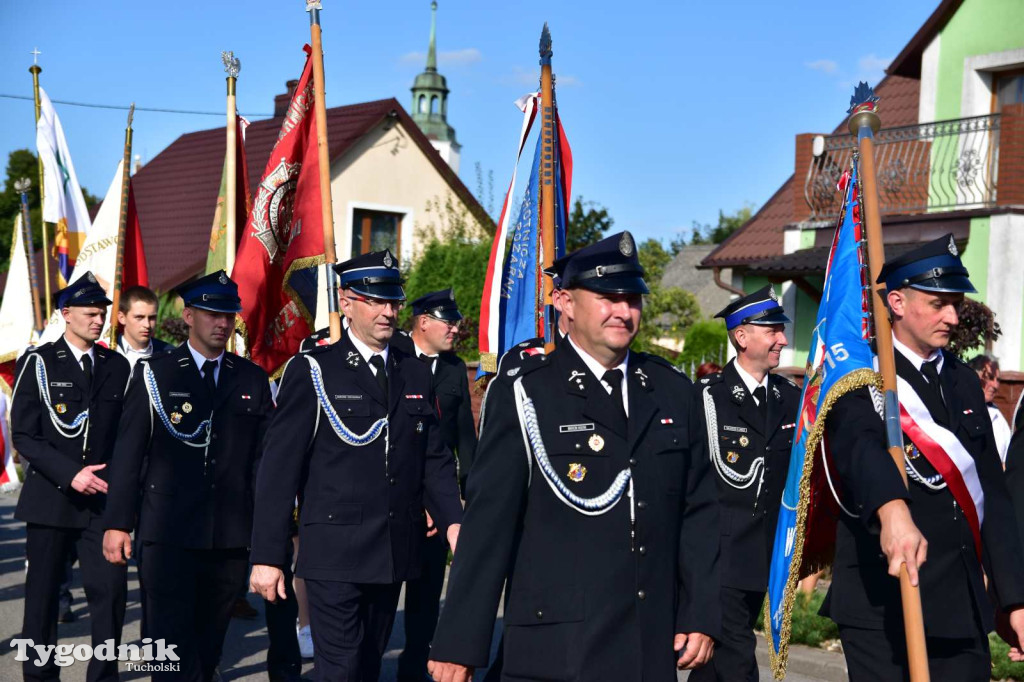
(575, 428)
(348, 397)
(178, 394)
(61, 384)
(737, 429)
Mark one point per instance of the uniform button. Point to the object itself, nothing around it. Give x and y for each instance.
(391, 514)
(643, 549)
(215, 436)
(632, 461)
(350, 410)
(675, 441)
(391, 480)
(641, 505)
(642, 595)
(212, 486)
(152, 486)
(578, 446)
(540, 615)
(213, 461)
(330, 517)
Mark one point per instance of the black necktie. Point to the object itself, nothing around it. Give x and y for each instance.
(209, 369)
(382, 376)
(87, 369)
(930, 370)
(613, 378)
(761, 395)
(428, 360)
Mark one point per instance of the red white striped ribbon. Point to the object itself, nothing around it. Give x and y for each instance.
(946, 454)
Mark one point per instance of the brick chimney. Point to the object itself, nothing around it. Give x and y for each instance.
(281, 102)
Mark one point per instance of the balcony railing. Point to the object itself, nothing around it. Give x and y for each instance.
(926, 167)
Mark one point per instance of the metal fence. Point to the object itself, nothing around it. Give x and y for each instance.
(925, 167)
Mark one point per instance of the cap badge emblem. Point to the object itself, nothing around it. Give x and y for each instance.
(596, 443)
(626, 244)
(61, 408)
(451, 294)
(771, 292)
(175, 417)
(186, 407)
(732, 457)
(512, 372)
(223, 279)
(387, 259)
(744, 441)
(577, 472)
(952, 247)
(91, 277)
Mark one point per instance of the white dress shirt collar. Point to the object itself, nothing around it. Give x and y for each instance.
(749, 381)
(916, 360)
(598, 370)
(366, 352)
(78, 352)
(131, 354)
(199, 359)
(420, 351)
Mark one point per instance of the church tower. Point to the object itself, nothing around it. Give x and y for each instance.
(430, 102)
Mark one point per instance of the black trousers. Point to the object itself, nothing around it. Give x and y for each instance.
(187, 596)
(734, 658)
(283, 654)
(47, 549)
(881, 656)
(422, 607)
(351, 624)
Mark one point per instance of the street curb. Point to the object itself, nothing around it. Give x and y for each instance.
(828, 666)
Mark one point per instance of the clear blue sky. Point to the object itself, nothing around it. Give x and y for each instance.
(674, 109)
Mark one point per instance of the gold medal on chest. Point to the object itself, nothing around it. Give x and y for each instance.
(596, 443)
(577, 471)
(186, 407)
(732, 457)
(61, 408)
(175, 417)
(744, 441)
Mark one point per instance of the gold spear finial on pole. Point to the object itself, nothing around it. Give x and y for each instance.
(864, 123)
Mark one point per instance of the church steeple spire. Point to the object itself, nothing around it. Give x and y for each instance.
(430, 102)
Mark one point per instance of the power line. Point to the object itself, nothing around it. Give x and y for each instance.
(124, 108)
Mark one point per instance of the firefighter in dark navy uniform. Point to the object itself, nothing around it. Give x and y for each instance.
(749, 414)
(190, 443)
(355, 436)
(607, 521)
(435, 325)
(65, 416)
(934, 526)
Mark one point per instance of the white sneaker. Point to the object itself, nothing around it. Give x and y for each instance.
(305, 642)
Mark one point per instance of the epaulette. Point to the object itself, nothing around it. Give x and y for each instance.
(529, 364)
(657, 359)
(709, 379)
(315, 350)
(786, 379)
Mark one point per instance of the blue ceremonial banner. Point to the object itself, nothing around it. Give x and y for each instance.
(840, 360)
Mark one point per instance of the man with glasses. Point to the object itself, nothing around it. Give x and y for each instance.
(435, 328)
(355, 436)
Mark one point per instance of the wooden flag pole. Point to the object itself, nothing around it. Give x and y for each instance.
(35, 70)
(324, 158)
(864, 123)
(547, 184)
(122, 224)
(232, 66)
(22, 186)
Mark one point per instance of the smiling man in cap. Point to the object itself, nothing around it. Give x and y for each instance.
(183, 478)
(355, 437)
(591, 495)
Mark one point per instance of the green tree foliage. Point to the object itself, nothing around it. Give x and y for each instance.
(22, 163)
(708, 234)
(705, 342)
(453, 257)
(588, 222)
(668, 311)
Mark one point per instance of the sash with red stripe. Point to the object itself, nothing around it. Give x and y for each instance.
(947, 455)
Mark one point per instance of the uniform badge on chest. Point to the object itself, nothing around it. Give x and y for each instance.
(186, 407)
(577, 471)
(744, 441)
(732, 457)
(912, 451)
(175, 418)
(596, 444)
(61, 408)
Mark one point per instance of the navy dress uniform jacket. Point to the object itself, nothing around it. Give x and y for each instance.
(953, 595)
(191, 497)
(749, 515)
(585, 601)
(361, 514)
(54, 460)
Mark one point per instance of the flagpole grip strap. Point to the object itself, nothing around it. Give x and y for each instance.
(893, 429)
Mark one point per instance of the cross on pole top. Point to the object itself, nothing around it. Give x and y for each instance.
(35, 55)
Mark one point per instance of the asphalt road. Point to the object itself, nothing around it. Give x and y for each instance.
(244, 655)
